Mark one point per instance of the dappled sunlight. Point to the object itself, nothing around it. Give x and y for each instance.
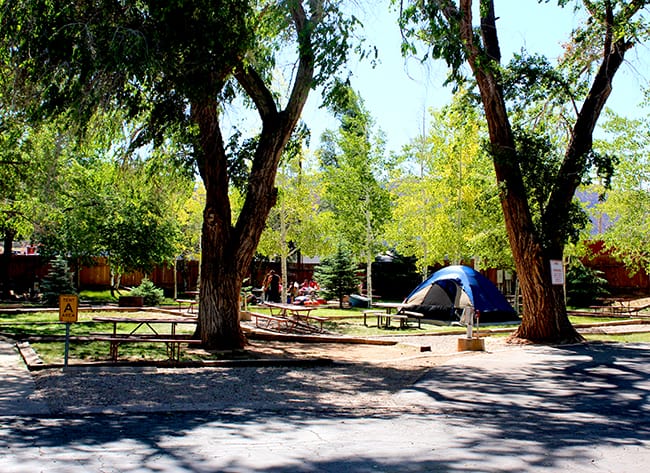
(510, 410)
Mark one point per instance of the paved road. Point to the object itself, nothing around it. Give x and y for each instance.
(577, 409)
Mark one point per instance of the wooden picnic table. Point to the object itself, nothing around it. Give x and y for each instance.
(148, 322)
(388, 306)
(286, 310)
(384, 317)
(619, 307)
(171, 340)
(301, 314)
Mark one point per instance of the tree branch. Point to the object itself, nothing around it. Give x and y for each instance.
(254, 86)
(575, 159)
(489, 32)
(305, 73)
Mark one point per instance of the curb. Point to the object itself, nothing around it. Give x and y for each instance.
(34, 363)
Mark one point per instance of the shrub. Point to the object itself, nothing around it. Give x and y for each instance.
(57, 281)
(151, 294)
(337, 275)
(584, 285)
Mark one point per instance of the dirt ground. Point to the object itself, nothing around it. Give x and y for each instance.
(409, 352)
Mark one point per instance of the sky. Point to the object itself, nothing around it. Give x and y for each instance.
(398, 93)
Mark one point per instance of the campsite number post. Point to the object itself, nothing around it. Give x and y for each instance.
(68, 313)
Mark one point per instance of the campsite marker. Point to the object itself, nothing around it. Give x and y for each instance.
(471, 343)
(68, 313)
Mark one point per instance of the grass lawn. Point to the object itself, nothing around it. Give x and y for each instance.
(626, 338)
(341, 321)
(105, 297)
(46, 324)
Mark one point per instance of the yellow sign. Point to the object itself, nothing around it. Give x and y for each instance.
(68, 308)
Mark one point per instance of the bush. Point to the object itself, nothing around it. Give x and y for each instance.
(584, 285)
(57, 281)
(151, 294)
(336, 275)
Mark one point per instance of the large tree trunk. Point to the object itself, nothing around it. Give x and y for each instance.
(5, 262)
(544, 317)
(228, 249)
(221, 279)
(218, 323)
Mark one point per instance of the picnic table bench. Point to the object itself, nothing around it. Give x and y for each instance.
(384, 317)
(620, 309)
(171, 340)
(191, 303)
(172, 344)
(301, 315)
(413, 315)
(271, 322)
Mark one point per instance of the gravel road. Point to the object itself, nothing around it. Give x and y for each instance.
(361, 377)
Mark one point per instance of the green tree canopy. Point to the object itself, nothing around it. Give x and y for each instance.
(577, 87)
(178, 67)
(626, 231)
(353, 162)
(109, 201)
(336, 275)
(447, 204)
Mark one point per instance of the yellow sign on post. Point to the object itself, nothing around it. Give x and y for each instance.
(68, 308)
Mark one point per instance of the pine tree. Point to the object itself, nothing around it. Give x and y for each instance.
(337, 275)
(57, 281)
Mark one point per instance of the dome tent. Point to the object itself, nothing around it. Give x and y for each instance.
(456, 287)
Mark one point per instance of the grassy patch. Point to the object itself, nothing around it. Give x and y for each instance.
(593, 320)
(105, 297)
(623, 338)
(46, 324)
(97, 297)
(341, 321)
(53, 352)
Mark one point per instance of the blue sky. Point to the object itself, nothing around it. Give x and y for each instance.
(398, 93)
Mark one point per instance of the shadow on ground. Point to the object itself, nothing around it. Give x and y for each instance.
(543, 406)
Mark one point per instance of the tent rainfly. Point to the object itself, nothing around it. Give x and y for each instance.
(457, 287)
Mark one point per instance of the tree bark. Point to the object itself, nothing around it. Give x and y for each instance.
(544, 318)
(221, 279)
(227, 249)
(5, 261)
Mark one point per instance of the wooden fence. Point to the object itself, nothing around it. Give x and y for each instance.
(26, 270)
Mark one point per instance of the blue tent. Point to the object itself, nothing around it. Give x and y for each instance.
(456, 287)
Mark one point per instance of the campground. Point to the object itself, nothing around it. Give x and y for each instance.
(415, 404)
(44, 335)
(581, 408)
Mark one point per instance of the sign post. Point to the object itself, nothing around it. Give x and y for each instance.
(68, 313)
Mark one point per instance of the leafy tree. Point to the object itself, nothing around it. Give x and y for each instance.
(625, 206)
(179, 66)
(111, 202)
(190, 217)
(336, 275)
(296, 223)
(29, 156)
(352, 160)
(583, 81)
(446, 203)
(584, 285)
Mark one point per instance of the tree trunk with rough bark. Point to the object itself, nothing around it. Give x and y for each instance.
(544, 317)
(5, 262)
(544, 312)
(228, 247)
